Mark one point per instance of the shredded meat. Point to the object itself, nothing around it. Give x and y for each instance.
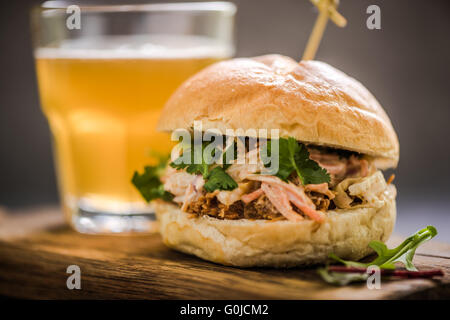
(321, 201)
(260, 208)
(251, 199)
(341, 164)
(209, 205)
(264, 209)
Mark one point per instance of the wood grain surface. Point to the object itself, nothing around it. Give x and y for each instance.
(36, 247)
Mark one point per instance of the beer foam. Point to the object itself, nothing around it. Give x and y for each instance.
(138, 47)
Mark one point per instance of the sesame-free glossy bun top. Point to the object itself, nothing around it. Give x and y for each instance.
(310, 101)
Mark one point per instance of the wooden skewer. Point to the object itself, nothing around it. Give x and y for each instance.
(316, 36)
(327, 10)
(335, 16)
(391, 178)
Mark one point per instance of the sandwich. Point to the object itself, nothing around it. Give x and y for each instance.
(330, 140)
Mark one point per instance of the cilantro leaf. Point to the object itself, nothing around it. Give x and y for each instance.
(294, 156)
(218, 179)
(190, 166)
(149, 184)
(309, 171)
(285, 157)
(404, 253)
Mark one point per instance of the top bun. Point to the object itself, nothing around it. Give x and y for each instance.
(310, 101)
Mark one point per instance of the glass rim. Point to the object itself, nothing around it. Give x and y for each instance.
(207, 6)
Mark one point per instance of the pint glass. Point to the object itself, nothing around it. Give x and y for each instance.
(104, 73)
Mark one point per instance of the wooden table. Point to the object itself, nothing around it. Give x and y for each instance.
(36, 247)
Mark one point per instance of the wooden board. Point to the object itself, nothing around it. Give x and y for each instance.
(36, 247)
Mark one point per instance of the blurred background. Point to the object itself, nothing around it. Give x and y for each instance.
(405, 65)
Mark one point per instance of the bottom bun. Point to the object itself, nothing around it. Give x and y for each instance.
(249, 243)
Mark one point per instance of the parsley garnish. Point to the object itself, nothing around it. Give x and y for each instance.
(294, 156)
(215, 176)
(149, 184)
(193, 168)
(218, 179)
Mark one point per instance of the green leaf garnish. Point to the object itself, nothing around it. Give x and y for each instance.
(149, 184)
(404, 253)
(191, 167)
(294, 156)
(218, 179)
(215, 176)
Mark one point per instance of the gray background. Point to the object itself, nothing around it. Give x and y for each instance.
(405, 65)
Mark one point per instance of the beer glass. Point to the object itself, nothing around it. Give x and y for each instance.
(104, 73)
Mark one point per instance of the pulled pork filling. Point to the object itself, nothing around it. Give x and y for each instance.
(354, 182)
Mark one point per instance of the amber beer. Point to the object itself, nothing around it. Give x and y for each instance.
(102, 106)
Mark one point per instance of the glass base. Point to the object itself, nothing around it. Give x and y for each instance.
(86, 221)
